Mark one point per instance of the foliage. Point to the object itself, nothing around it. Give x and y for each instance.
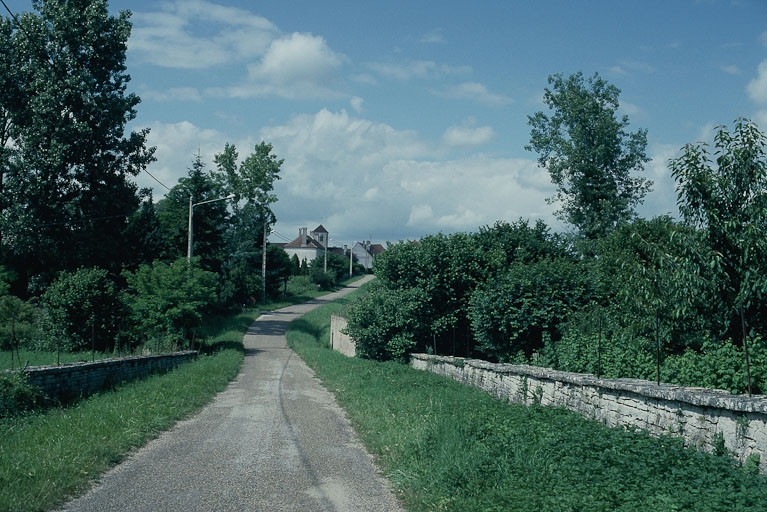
(446, 446)
(18, 322)
(337, 270)
(143, 234)
(82, 311)
(728, 202)
(719, 365)
(527, 305)
(589, 154)
(166, 301)
(65, 106)
(48, 456)
(647, 278)
(17, 396)
(209, 221)
(388, 324)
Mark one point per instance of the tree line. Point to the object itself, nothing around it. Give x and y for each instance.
(89, 261)
(679, 300)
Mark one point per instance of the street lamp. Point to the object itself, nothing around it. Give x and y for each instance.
(191, 206)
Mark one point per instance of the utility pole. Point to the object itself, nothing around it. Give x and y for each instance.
(263, 268)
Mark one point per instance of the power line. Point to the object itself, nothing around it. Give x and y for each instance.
(149, 173)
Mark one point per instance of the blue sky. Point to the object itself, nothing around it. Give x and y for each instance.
(401, 119)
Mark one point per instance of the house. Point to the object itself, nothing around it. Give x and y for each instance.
(311, 244)
(365, 252)
(308, 245)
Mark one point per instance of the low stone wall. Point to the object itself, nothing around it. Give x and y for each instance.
(81, 379)
(700, 416)
(338, 340)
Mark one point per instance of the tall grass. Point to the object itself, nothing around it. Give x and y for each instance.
(445, 446)
(48, 456)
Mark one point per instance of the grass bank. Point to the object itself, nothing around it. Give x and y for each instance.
(50, 455)
(445, 446)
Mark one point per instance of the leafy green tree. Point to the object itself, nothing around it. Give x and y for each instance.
(17, 323)
(166, 301)
(523, 308)
(210, 221)
(68, 191)
(143, 236)
(518, 242)
(727, 199)
(337, 269)
(252, 183)
(82, 311)
(279, 268)
(589, 154)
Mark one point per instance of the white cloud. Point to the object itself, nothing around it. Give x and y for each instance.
(757, 88)
(420, 69)
(298, 57)
(298, 66)
(356, 103)
(196, 34)
(363, 178)
(177, 144)
(474, 92)
(661, 199)
(468, 135)
(731, 69)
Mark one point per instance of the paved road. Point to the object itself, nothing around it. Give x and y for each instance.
(274, 440)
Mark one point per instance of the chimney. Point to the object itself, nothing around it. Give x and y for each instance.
(302, 236)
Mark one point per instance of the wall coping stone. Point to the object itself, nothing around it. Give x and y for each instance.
(701, 397)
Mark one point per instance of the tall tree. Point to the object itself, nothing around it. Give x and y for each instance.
(590, 156)
(209, 222)
(252, 183)
(727, 200)
(68, 194)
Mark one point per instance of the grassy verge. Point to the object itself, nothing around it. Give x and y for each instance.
(47, 456)
(445, 446)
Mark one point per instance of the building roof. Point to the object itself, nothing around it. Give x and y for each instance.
(320, 229)
(376, 249)
(310, 244)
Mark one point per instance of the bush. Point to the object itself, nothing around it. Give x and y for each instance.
(17, 396)
(719, 366)
(82, 311)
(519, 310)
(387, 324)
(167, 301)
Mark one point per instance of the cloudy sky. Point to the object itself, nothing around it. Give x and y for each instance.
(399, 119)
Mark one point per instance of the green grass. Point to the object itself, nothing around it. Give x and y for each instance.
(47, 456)
(445, 446)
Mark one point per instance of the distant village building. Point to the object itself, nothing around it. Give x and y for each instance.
(311, 244)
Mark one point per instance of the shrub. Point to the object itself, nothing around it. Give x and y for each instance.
(82, 311)
(166, 301)
(387, 324)
(17, 396)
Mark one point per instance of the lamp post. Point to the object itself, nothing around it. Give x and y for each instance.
(191, 211)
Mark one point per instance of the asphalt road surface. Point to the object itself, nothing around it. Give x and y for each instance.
(274, 440)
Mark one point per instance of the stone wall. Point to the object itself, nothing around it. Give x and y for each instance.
(700, 416)
(338, 340)
(81, 379)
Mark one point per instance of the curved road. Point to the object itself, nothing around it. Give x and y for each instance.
(274, 440)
